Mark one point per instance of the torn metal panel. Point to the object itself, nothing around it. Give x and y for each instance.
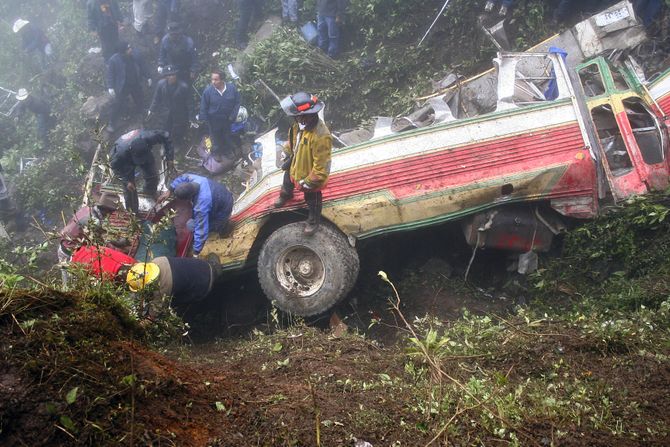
(614, 28)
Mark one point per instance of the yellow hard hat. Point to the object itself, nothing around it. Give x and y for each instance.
(142, 274)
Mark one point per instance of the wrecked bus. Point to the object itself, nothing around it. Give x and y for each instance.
(510, 176)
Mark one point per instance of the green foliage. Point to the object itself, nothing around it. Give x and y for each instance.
(621, 258)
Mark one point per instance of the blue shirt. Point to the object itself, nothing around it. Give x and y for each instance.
(213, 203)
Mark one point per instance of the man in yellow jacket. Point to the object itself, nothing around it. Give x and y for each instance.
(308, 151)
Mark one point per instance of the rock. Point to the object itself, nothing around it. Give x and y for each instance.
(96, 107)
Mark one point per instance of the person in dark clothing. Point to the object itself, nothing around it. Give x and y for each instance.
(329, 16)
(126, 72)
(212, 206)
(178, 50)
(42, 111)
(172, 97)
(171, 280)
(104, 19)
(133, 150)
(33, 40)
(218, 108)
(247, 9)
(165, 10)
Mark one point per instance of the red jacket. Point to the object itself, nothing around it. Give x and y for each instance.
(102, 259)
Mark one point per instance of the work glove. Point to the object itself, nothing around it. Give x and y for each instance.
(160, 70)
(149, 82)
(194, 125)
(148, 114)
(111, 92)
(195, 255)
(304, 184)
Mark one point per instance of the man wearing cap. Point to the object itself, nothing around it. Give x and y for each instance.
(179, 280)
(42, 111)
(133, 150)
(165, 10)
(33, 39)
(172, 98)
(308, 153)
(126, 72)
(178, 50)
(212, 206)
(104, 19)
(219, 105)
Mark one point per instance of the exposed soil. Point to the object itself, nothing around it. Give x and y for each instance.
(276, 387)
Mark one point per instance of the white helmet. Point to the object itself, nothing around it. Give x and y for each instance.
(242, 115)
(18, 24)
(22, 94)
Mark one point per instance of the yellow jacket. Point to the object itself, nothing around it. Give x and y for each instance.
(311, 155)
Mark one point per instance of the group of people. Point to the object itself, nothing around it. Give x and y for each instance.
(89, 239)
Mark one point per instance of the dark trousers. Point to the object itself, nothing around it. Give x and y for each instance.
(122, 98)
(178, 128)
(247, 9)
(314, 199)
(109, 41)
(222, 138)
(44, 125)
(151, 177)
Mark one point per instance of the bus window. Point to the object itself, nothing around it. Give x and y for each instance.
(611, 140)
(645, 130)
(591, 80)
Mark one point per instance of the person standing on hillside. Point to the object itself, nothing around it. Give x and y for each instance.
(133, 150)
(38, 107)
(218, 108)
(172, 98)
(104, 19)
(178, 50)
(33, 40)
(329, 17)
(247, 9)
(126, 72)
(308, 152)
(166, 10)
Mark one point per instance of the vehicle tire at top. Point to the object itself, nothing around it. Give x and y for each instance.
(307, 275)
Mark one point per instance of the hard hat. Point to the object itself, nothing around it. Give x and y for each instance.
(18, 24)
(142, 274)
(242, 115)
(22, 94)
(301, 104)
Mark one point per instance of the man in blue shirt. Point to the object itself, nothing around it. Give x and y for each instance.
(218, 108)
(212, 206)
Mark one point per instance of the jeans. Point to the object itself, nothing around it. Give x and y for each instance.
(289, 10)
(329, 35)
